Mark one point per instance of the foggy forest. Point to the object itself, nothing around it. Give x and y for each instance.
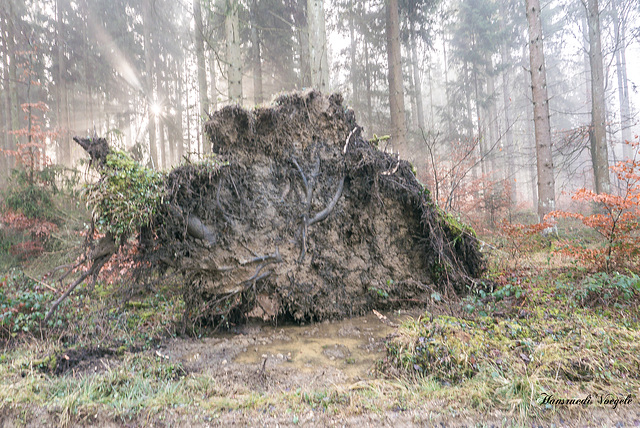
(242, 209)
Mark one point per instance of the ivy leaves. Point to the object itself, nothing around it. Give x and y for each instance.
(127, 197)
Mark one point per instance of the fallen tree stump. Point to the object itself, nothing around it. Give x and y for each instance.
(299, 217)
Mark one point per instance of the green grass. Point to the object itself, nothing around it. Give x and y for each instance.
(550, 341)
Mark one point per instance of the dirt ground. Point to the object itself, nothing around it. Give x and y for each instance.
(278, 361)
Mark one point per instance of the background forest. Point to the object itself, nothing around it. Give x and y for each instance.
(147, 73)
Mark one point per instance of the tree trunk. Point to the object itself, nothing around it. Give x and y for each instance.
(416, 79)
(446, 83)
(6, 92)
(367, 77)
(546, 181)
(148, 64)
(64, 144)
(213, 87)
(302, 30)
(623, 85)
(257, 60)
(13, 75)
(200, 59)
(600, 155)
(492, 120)
(318, 45)
(511, 172)
(162, 95)
(396, 94)
(353, 74)
(234, 56)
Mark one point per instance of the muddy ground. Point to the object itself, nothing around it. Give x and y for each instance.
(338, 357)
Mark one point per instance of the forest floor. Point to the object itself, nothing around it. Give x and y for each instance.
(547, 328)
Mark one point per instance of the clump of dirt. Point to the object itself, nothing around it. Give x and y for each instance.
(299, 217)
(79, 359)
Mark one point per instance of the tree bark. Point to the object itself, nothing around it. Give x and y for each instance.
(416, 78)
(162, 143)
(64, 145)
(511, 172)
(6, 92)
(623, 84)
(213, 87)
(546, 181)
(13, 72)
(234, 57)
(367, 76)
(353, 74)
(302, 30)
(200, 59)
(396, 93)
(318, 45)
(148, 64)
(257, 60)
(600, 154)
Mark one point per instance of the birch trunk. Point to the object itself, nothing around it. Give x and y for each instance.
(234, 57)
(257, 60)
(319, 59)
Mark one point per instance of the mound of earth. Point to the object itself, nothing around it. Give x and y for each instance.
(300, 217)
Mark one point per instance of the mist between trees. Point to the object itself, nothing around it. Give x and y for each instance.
(499, 105)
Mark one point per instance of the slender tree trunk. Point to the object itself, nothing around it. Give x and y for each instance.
(353, 73)
(162, 95)
(6, 92)
(492, 119)
(598, 115)
(446, 84)
(469, 110)
(546, 181)
(416, 78)
(507, 104)
(587, 67)
(367, 77)
(213, 87)
(396, 93)
(13, 77)
(148, 63)
(623, 86)
(302, 30)
(257, 60)
(533, 175)
(200, 59)
(412, 98)
(188, 113)
(179, 116)
(234, 56)
(64, 146)
(318, 45)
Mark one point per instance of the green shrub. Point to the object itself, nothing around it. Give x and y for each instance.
(23, 305)
(127, 197)
(29, 196)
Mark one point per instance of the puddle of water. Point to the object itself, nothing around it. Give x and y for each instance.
(352, 346)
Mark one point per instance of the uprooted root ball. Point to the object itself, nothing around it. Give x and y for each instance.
(298, 216)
